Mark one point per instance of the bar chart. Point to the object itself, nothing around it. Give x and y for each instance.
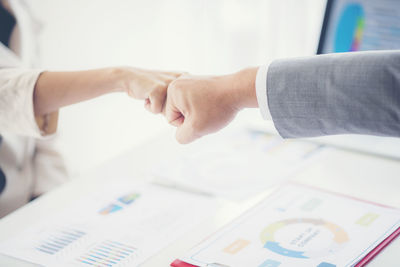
(107, 253)
(58, 240)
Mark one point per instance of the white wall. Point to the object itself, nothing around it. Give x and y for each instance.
(199, 36)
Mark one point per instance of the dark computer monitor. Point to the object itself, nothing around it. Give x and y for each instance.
(351, 25)
(359, 25)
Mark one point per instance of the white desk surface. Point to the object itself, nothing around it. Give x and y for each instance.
(362, 176)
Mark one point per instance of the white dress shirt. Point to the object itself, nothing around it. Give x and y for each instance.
(261, 91)
(31, 166)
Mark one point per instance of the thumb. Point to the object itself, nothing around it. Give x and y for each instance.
(186, 133)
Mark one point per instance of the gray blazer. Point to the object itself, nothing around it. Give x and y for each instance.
(347, 93)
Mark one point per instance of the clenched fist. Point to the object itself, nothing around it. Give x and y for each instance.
(200, 105)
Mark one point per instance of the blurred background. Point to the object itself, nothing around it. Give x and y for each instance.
(201, 37)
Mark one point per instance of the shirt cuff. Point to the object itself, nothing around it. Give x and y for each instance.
(16, 104)
(261, 91)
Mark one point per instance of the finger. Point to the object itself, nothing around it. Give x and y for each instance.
(172, 114)
(173, 117)
(178, 121)
(157, 99)
(167, 78)
(147, 104)
(186, 132)
(174, 74)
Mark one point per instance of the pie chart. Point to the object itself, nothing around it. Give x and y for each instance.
(350, 28)
(305, 238)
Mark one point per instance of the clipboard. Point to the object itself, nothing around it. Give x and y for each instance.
(367, 256)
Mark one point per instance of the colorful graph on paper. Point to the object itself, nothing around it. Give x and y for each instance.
(120, 225)
(299, 226)
(119, 203)
(107, 253)
(58, 240)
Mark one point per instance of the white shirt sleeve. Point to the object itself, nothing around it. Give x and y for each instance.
(261, 91)
(16, 101)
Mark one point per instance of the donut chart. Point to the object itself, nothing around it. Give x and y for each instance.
(270, 239)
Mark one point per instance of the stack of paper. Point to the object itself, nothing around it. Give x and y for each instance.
(235, 164)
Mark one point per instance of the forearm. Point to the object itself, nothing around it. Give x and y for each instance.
(345, 93)
(54, 90)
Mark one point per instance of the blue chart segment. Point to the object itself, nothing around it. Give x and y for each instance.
(349, 30)
(326, 264)
(110, 209)
(129, 198)
(59, 240)
(277, 248)
(270, 263)
(108, 253)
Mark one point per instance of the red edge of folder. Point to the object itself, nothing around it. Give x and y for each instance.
(179, 263)
(378, 249)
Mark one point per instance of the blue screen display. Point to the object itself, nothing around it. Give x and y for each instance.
(362, 25)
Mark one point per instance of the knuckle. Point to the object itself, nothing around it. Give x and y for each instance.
(175, 85)
(155, 94)
(155, 110)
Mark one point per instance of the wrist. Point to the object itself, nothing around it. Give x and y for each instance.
(243, 88)
(117, 79)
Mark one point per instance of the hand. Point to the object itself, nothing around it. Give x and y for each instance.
(54, 90)
(148, 85)
(199, 105)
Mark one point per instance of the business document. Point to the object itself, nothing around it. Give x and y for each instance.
(121, 226)
(299, 226)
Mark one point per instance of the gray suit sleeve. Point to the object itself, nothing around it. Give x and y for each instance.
(348, 93)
